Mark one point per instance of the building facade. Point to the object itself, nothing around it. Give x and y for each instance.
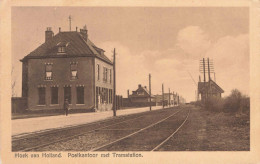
(67, 66)
(169, 99)
(139, 98)
(209, 89)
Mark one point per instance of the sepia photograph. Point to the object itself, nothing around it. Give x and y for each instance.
(129, 79)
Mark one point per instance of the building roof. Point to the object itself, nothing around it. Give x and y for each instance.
(141, 89)
(201, 86)
(76, 46)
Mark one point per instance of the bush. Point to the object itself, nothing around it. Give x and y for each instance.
(235, 102)
(197, 103)
(245, 105)
(232, 102)
(215, 104)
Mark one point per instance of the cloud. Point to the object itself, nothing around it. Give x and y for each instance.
(178, 66)
(168, 64)
(231, 59)
(130, 68)
(194, 41)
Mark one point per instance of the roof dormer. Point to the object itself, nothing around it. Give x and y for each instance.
(61, 47)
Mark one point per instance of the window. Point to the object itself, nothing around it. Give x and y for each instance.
(61, 49)
(80, 95)
(110, 96)
(104, 74)
(97, 96)
(106, 95)
(48, 71)
(67, 93)
(111, 99)
(41, 95)
(98, 72)
(103, 95)
(73, 69)
(100, 94)
(140, 93)
(110, 76)
(54, 95)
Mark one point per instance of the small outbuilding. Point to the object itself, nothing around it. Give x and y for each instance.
(209, 89)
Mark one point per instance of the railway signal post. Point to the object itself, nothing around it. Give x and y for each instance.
(162, 96)
(150, 92)
(169, 97)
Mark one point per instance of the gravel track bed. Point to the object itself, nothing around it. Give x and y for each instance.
(89, 138)
(45, 137)
(97, 138)
(57, 134)
(151, 137)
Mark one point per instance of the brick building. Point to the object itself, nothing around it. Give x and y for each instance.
(67, 66)
(139, 97)
(209, 89)
(169, 99)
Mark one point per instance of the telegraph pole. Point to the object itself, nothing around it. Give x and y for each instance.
(178, 99)
(150, 91)
(205, 89)
(209, 79)
(162, 96)
(208, 70)
(204, 73)
(70, 21)
(196, 95)
(169, 97)
(173, 96)
(114, 79)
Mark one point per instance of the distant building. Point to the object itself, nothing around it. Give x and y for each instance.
(159, 100)
(67, 66)
(168, 100)
(139, 97)
(208, 89)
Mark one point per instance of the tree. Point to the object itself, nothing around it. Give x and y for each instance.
(233, 101)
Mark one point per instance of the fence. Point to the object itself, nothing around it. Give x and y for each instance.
(119, 102)
(126, 102)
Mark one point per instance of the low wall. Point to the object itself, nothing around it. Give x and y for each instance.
(104, 107)
(128, 103)
(19, 104)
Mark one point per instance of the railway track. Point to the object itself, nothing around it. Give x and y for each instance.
(71, 131)
(167, 139)
(103, 147)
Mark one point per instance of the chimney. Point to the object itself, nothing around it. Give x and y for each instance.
(145, 87)
(128, 93)
(84, 32)
(59, 29)
(139, 86)
(48, 34)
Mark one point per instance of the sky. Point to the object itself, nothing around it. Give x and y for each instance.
(167, 42)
